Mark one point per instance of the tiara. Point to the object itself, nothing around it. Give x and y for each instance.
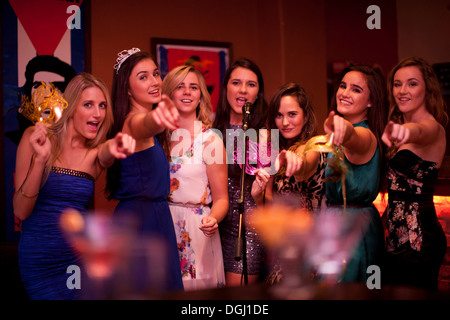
(124, 55)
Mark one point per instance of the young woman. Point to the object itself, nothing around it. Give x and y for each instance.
(300, 181)
(198, 196)
(141, 182)
(56, 169)
(416, 243)
(357, 120)
(243, 82)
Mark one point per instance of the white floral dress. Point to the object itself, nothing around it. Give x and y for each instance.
(190, 200)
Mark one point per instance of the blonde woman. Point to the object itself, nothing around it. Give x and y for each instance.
(56, 168)
(198, 196)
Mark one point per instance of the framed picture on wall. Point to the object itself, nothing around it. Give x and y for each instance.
(210, 58)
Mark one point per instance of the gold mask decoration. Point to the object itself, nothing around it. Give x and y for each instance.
(46, 104)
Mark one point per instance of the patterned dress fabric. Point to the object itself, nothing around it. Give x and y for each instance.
(190, 200)
(416, 243)
(303, 194)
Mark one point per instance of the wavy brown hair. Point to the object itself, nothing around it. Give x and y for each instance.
(434, 101)
(309, 129)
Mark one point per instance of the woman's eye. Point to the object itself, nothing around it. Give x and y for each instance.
(279, 115)
(103, 105)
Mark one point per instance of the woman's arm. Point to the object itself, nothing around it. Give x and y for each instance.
(218, 181)
(420, 133)
(121, 146)
(146, 124)
(262, 187)
(32, 154)
(309, 164)
(359, 143)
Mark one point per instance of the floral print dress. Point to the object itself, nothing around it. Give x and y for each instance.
(416, 243)
(189, 200)
(303, 194)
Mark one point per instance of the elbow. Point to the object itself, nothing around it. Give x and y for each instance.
(19, 214)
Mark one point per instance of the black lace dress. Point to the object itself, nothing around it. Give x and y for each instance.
(416, 243)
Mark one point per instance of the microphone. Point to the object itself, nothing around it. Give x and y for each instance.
(247, 110)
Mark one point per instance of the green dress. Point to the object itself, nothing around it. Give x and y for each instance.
(362, 187)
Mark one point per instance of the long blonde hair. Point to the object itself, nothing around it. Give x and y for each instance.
(72, 94)
(204, 108)
(176, 76)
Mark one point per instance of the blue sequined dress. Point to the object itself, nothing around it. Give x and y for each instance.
(144, 188)
(44, 253)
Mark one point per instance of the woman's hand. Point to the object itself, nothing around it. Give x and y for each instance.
(40, 143)
(289, 159)
(166, 114)
(260, 183)
(395, 134)
(122, 146)
(209, 226)
(337, 125)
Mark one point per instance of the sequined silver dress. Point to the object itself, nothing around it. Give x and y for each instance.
(229, 227)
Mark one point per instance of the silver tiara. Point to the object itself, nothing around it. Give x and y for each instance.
(122, 56)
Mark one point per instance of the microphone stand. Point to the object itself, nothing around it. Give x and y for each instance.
(241, 248)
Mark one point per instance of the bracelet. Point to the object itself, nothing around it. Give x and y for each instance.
(27, 196)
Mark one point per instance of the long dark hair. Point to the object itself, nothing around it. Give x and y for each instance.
(377, 113)
(309, 129)
(222, 118)
(121, 107)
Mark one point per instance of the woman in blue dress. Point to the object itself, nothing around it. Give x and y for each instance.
(56, 168)
(141, 182)
(357, 120)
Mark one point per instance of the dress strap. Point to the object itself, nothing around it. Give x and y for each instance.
(72, 172)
